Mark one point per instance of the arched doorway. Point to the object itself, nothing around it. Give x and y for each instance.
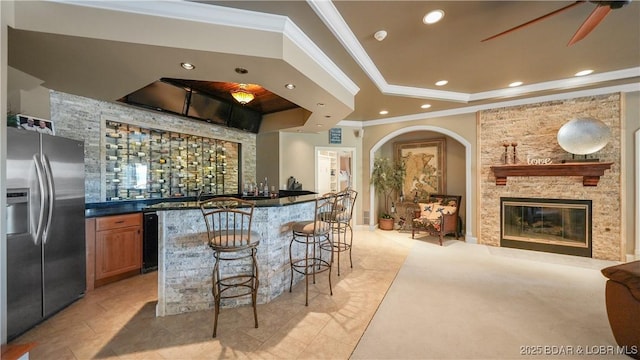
(469, 237)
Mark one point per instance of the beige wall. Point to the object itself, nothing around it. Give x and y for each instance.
(26, 96)
(459, 130)
(297, 158)
(631, 124)
(455, 178)
(267, 159)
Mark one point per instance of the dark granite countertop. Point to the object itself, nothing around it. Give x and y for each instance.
(260, 202)
(133, 206)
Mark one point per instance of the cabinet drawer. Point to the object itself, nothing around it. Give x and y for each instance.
(118, 221)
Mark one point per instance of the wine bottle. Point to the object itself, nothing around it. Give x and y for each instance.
(265, 190)
(112, 158)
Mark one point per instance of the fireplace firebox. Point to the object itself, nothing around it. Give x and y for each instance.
(551, 225)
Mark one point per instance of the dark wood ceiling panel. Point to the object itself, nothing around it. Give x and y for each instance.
(265, 102)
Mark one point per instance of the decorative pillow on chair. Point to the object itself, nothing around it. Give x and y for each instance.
(447, 210)
(429, 210)
(449, 202)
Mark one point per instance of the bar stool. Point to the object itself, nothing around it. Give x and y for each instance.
(340, 219)
(314, 237)
(228, 223)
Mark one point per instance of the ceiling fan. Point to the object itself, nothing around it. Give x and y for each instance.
(597, 15)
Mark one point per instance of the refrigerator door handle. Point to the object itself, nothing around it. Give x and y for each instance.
(50, 196)
(43, 200)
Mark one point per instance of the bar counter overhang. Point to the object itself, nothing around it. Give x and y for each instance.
(185, 260)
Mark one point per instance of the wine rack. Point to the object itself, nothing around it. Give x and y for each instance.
(143, 163)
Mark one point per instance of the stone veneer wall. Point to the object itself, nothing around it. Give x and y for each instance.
(186, 261)
(534, 127)
(80, 118)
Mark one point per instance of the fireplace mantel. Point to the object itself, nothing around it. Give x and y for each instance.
(590, 171)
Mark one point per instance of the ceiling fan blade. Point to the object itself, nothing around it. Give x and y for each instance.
(597, 15)
(534, 20)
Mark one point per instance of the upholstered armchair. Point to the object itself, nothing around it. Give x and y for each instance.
(438, 217)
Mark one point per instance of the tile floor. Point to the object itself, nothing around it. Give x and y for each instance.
(118, 321)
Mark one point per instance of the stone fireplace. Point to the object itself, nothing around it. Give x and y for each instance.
(550, 225)
(534, 128)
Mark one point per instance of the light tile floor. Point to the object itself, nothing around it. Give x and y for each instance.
(118, 321)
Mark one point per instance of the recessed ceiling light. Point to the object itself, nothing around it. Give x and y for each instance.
(241, 70)
(383, 112)
(584, 72)
(380, 35)
(187, 66)
(290, 86)
(515, 83)
(433, 17)
(319, 125)
(442, 83)
(425, 106)
(320, 104)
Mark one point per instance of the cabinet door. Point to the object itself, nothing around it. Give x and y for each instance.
(118, 251)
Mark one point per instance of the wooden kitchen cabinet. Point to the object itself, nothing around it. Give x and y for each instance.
(118, 247)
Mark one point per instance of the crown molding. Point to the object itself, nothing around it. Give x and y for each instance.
(472, 109)
(230, 17)
(336, 23)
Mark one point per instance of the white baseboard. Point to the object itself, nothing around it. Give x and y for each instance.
(471, 239)
(632, 257)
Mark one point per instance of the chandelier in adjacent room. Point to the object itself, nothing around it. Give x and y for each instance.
(242, 95)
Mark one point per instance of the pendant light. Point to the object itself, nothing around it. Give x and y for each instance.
(242, 95)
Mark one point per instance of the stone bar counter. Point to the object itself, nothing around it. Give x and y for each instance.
(185, 260)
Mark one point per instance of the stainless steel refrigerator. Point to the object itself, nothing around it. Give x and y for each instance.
(45, 227)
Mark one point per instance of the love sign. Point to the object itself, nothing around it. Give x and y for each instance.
(535, 161)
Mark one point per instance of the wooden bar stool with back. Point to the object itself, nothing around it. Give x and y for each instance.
(228, 222)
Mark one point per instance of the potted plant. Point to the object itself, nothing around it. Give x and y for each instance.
(387, 177)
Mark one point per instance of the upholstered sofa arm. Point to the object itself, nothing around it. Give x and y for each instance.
(627, 274)
(622, 297)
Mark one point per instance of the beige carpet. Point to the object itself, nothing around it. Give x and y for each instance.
(465, 301)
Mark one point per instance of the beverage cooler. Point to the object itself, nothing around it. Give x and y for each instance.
(149, 242)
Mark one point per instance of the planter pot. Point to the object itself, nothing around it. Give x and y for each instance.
(385, 224)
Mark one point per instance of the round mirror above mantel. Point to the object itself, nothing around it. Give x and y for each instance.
(583, 136)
